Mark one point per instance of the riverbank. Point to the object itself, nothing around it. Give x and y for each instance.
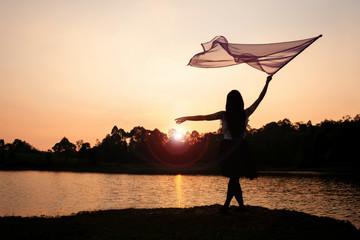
(210, 169)
(177, 223)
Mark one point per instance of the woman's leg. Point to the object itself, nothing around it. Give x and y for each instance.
(231, 191)
(234, 190)
(238, 193)
(229, 196)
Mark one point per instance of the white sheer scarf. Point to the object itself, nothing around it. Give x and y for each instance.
(268, 58)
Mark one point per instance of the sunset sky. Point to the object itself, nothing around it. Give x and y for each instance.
(77, 68)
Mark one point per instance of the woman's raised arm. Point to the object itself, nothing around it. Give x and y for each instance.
(210, 117)
(252, 108)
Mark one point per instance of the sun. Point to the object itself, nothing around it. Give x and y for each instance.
(178, 135)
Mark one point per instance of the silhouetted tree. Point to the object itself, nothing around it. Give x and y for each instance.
(79, 144)
(64, 148)
(2, 150)
(84, 151)
(328, 144)
(49, 156)
(156, 137)
(22, 146)
(193, 137)
(277, 145)
(113, 146)
(137, 137)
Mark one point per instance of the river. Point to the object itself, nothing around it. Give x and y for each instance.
(36, 193)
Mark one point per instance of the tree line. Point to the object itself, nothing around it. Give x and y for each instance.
(282, 144)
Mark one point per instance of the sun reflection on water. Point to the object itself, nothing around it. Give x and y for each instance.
(179, 191)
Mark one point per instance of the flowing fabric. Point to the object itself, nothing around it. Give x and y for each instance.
(268, 58)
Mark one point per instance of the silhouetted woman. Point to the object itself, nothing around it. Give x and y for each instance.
(234, 151)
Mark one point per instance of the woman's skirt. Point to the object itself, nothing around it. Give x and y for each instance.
(236, 159)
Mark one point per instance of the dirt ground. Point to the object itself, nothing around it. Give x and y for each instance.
(175, 223)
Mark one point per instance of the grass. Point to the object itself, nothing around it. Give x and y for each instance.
(176, 223)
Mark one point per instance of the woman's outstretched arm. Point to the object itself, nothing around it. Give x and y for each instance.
(210, 117)
(252, 108)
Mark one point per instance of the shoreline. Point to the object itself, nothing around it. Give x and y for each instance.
(197, 170)
(203, 222)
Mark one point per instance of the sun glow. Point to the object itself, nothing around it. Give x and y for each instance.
(178, 135)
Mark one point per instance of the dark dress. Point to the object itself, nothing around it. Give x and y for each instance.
(235, 158)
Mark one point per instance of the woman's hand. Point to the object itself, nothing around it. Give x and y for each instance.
(180, 120)
(268, 79)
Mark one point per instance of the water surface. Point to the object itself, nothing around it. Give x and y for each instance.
(35, 193)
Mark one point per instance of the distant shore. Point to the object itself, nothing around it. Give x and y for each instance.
(178, 223)
(193, 170)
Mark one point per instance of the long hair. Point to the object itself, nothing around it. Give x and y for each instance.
(235, 114)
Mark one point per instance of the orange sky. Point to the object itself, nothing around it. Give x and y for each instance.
(77, 68)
